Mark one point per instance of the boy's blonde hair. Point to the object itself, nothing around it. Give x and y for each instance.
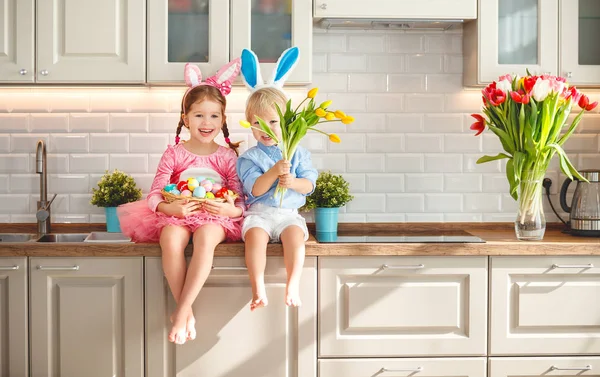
(264, 100)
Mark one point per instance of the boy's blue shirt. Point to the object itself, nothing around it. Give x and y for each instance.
(257, 160)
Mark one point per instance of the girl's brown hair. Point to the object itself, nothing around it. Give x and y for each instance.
(201, 93)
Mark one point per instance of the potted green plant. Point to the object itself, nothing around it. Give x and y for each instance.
(331, 192)
(114, 189)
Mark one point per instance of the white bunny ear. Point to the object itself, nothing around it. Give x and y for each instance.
(285, 65)
(192, 75)
(251, 70)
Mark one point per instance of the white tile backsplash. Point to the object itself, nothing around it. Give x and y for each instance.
(409, 156)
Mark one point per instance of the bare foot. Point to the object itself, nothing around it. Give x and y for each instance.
(179, 318)
(258, 301)
(292, 294)
(191, 327)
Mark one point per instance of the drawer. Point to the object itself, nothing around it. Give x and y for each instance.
(545, 305)
(543, 366)
(464, 367)
(402, 306)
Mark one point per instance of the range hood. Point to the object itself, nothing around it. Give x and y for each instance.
(393, 14)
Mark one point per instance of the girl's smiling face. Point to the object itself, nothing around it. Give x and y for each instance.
(204, 120)
(271, 118)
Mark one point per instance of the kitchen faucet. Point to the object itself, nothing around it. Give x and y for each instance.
(43, 205)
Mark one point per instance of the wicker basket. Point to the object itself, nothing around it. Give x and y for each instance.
(171, 198)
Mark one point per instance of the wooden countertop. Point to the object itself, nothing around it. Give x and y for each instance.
(500, 240)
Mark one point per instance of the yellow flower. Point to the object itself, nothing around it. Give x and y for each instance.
(340, 114)
(320, 112)
(245, 124)
(325, 104)
(312, 93)
(334, 138)
(329, 116)
(348, 119)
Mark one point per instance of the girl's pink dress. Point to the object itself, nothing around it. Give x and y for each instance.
(140, 220)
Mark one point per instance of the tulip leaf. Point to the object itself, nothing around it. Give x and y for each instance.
(486, 158)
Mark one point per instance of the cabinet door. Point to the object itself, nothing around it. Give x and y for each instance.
(451, 367)
(275, 341)
(181, 32)
(87, 317)
(511, 36)
(543, 366)
(402, 306)
(90, 41)
(270, 27)
(16, 46)
(579, 48)
(13, 317)
(544, 305)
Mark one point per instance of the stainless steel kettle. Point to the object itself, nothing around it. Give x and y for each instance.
(584, 212)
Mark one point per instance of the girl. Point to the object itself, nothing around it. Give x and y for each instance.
(261, 168)
(209, 223)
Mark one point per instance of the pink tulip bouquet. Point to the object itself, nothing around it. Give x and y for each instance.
(529, 116)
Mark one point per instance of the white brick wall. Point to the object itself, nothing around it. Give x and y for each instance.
(410, 155)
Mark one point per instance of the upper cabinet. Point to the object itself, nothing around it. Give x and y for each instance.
(510, 36)
(544, 36)
(90, 41)
(17, 42)
(210, 33)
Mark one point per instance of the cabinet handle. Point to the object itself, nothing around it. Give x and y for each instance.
(589, 265)
(58, 268)
(229, 268)
(414, 370)
(44, 72)
(569, 75)
(323, 6)
(9, 268)
(23, 72)
(406, 267)
(587, 367)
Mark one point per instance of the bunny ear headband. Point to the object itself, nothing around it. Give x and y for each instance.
(221, 80)
(284, 67)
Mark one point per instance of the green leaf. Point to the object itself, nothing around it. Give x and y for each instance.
(266, 129)
(505, 139)
(565, 164)
(486, 158)
(510, 175)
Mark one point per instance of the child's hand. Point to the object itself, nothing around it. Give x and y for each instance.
(179, 208)
(287, 180)
(226, 208)
(281, 167)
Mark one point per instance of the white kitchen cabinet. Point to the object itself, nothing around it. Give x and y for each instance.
(232, 341)
(543, 366)
(87, 317)
(402, 306)
(17, 19)
(270, 27)
(545, 305)
(13, 317)
(89, 41)
(510, 36)
(430, 367)
(580, 50)
(181, 32)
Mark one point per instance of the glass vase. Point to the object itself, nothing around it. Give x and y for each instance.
(530, 224)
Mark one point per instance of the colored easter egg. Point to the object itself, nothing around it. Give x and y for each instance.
(175, 192)
(230, 193)
(181, 186)
(210, 195)
(200, 178)
(207, 185)
(170, 187)
(186, 193)
(216, 187)
(192, 183)
(199, 192)
(210, 179)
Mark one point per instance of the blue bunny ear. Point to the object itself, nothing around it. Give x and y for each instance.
(250, 69)
(285, 65)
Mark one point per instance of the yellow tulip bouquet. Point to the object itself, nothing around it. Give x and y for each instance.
(295, 124)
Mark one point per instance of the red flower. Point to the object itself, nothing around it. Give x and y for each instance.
(479, 125)
(493, 95)
(584, 103)
(529, 82)
(572, 92)
(520, 97)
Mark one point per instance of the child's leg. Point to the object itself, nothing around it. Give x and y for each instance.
(292, 239)
(173, 240)
(206, 238)
(256, 240)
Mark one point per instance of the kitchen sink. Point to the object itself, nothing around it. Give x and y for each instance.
(63, 237)
(17, 237)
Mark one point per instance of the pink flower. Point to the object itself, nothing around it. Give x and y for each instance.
(572, 92)
(494, 95)
(479, 125)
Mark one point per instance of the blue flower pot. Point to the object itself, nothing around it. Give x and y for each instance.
(112, 221)
(326, 222)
